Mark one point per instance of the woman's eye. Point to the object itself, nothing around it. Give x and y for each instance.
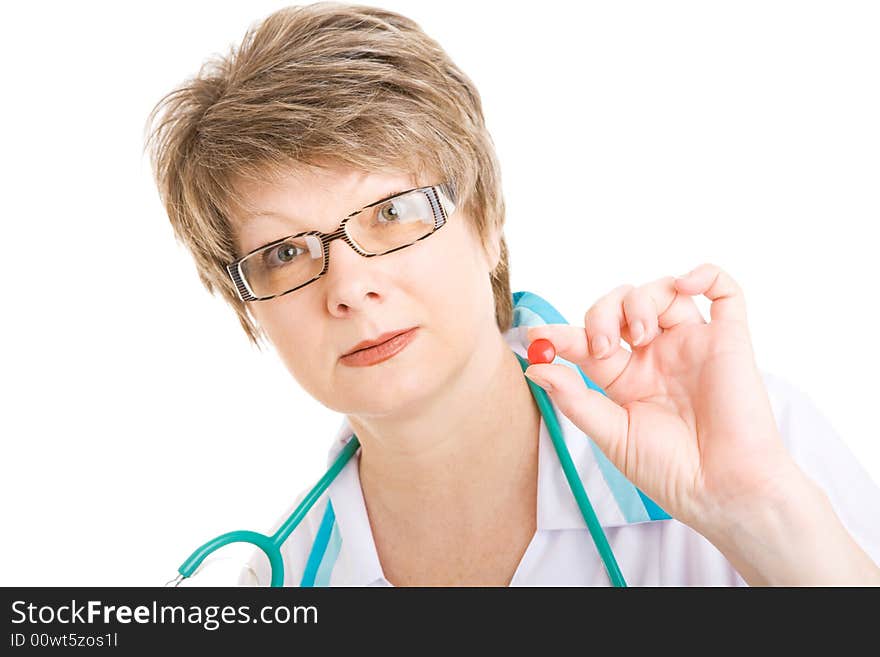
(281, 255)
(389, 213)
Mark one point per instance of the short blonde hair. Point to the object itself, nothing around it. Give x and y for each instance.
(314, 84)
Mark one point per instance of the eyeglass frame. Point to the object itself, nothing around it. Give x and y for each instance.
(443, 204)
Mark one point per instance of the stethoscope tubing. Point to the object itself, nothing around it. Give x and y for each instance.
(271, 545)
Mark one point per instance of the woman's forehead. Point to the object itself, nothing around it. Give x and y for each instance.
(314, 195)
(322, 191)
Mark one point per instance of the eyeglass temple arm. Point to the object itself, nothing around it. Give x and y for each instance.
(446, 193)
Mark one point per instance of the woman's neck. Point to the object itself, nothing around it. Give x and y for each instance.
(461, 465)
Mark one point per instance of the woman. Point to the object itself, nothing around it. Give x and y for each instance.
(335, 133)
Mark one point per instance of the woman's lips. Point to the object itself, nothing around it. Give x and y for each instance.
(381, 352)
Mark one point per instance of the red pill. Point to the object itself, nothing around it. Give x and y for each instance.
(541, 351)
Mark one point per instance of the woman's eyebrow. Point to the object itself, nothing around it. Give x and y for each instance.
(248, 217)
(390, 194)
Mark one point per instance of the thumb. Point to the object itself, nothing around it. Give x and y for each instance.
(599, 417)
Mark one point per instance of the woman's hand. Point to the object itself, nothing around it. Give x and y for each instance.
(687, 418)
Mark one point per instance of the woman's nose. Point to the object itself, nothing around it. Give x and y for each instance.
(351, 278)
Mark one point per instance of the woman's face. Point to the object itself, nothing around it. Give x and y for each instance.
(440, 285)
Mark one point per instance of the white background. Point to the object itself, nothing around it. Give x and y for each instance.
(651, 136)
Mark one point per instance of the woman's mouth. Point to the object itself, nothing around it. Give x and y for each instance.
(381, 352)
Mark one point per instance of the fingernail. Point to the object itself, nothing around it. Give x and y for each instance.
(600, 345)
(638, 332)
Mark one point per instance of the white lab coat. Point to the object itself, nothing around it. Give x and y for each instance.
(334, 543)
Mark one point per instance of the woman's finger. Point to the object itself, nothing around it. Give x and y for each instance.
(657, 306)
(676, 308)
(644, 313)
(728, 301)
(640, 317)
(598, 416)
(570, 343)
(603, 320)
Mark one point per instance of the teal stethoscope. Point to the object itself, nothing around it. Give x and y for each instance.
(271, 545)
